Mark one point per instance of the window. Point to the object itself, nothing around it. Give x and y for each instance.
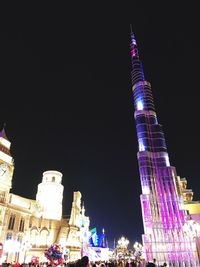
(21, 226)
(11, 222)
(44, 237)
(8, 236)
(2, 197)
(34, 237)
(19, 239)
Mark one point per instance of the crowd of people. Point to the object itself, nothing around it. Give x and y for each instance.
(85, 262)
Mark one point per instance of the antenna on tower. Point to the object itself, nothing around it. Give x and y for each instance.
(4, 126)
(131, 28)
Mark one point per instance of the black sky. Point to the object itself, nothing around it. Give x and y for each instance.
(67, 103)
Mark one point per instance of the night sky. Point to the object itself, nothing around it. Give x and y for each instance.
(65, 91)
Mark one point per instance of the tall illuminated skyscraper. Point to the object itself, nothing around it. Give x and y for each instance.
(164, 217)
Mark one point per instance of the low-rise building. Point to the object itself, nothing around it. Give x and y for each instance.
(28, 226)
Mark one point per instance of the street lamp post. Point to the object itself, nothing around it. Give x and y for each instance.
(123, 242)
(122, 246)
(138, 250)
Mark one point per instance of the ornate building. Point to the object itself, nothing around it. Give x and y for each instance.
(28, 227)
(192, 207)
(170, 234)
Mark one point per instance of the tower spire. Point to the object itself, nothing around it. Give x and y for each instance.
(3, 132)
(141, 88)
(83, 209)
(137, 73)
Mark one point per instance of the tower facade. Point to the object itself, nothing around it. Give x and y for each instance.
(6, 165)
(164, 217)
(6, 174)
(50, 195)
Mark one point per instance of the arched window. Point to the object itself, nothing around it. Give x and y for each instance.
(19, 239)
(34, 237)
(11, 222)
(21, 225)
(44, 237)
(9, 236)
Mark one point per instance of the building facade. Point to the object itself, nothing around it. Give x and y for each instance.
(27, 226)
(166, 203)
(192, 207)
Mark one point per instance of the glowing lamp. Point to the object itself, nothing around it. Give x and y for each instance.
(141, 145)
(139, 105)
(167, 161)
(123, 242)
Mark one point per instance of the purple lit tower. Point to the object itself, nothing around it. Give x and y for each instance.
(164, 217)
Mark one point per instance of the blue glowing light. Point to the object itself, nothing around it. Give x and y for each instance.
(139, 105)
(141, 145)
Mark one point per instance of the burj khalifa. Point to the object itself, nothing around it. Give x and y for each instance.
(164, 217)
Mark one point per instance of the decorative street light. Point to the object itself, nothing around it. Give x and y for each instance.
(123, 243)
(122, 248)
(138, 250)
(137, 246)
